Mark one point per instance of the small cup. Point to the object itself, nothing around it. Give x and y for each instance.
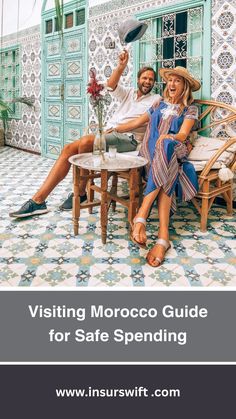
(112, 151)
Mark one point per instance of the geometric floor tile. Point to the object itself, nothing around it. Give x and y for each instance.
(43, 251)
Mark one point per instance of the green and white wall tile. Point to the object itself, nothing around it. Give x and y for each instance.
(25, 131)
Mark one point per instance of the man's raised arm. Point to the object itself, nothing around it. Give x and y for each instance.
(117, 72)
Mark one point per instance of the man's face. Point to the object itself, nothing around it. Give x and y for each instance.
(146, 82)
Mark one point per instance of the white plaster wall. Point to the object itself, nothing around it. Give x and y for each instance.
(29, 13)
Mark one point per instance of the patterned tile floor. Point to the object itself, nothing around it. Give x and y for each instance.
(42, 251)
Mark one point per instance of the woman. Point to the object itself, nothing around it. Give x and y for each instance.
(164, 145)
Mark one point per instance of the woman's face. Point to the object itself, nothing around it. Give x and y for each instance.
(175, 85)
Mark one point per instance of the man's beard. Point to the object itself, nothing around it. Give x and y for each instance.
(144, 89)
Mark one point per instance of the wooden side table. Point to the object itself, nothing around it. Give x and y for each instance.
(98, 168)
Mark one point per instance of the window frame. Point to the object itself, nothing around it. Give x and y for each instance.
(52, 17)
(206, 38)
(17, 111)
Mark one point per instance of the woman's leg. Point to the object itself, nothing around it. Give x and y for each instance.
(158, 251)
(62, 167)
(139, 230)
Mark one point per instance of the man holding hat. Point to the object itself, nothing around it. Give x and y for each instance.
(133, 103)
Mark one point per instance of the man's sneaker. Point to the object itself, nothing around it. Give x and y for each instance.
(30, 208)
(67, 204)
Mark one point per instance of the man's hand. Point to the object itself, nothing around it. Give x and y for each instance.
(123, 59)
(109, 131)
(117, 72)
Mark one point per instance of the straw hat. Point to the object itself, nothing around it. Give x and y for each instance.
(183, 72)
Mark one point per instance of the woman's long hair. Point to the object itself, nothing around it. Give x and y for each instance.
(185, 99)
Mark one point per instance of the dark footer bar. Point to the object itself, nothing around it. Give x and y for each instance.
(117, 391)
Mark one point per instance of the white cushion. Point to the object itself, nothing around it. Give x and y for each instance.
(205, 147)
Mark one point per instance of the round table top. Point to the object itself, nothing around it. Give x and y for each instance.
(119, 163)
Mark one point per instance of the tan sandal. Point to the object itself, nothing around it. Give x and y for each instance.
(166, 245)
(133, 236)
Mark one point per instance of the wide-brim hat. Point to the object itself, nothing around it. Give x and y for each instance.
(183, 72)
(131, 30)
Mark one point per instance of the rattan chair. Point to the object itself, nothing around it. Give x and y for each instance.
(215, 116)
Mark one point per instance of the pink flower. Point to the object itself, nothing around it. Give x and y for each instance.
(94, 88)
(97, 97)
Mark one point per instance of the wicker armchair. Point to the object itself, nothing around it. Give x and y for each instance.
(214, 115)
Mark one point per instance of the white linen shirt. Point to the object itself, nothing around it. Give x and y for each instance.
(131, 107)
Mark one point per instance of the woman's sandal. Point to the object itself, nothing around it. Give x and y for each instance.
(166, 246)
(134, 235)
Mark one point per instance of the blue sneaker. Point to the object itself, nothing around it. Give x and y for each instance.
(67, 204)
(30, 208)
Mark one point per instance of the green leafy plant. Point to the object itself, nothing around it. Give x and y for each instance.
(7, 112)
(59, 6)
(59, 13)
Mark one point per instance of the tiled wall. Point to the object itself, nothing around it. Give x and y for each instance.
(224, 53)
(25, 133)
(105, 18)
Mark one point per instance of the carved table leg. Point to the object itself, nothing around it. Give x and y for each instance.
(134, 195)
(114, 190)
(90, 192)
(76, 199)
(104, 205)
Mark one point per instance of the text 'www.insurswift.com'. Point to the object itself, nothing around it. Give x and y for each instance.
(135, 392)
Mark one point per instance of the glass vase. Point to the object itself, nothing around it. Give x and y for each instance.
(99, 145)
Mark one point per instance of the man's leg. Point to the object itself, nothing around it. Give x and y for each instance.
(36, 205)
(123, 142)
(61, 167)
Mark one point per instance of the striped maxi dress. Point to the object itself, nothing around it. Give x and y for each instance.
(168, 167)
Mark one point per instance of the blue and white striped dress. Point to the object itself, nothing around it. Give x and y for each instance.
(168, 167)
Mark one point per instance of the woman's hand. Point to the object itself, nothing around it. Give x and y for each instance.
(162, 137)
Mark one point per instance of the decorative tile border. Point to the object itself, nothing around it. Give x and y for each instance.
(110, 6)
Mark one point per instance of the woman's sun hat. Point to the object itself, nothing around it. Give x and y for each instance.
(183, 72)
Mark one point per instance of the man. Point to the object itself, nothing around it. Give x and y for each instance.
(132, 105)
